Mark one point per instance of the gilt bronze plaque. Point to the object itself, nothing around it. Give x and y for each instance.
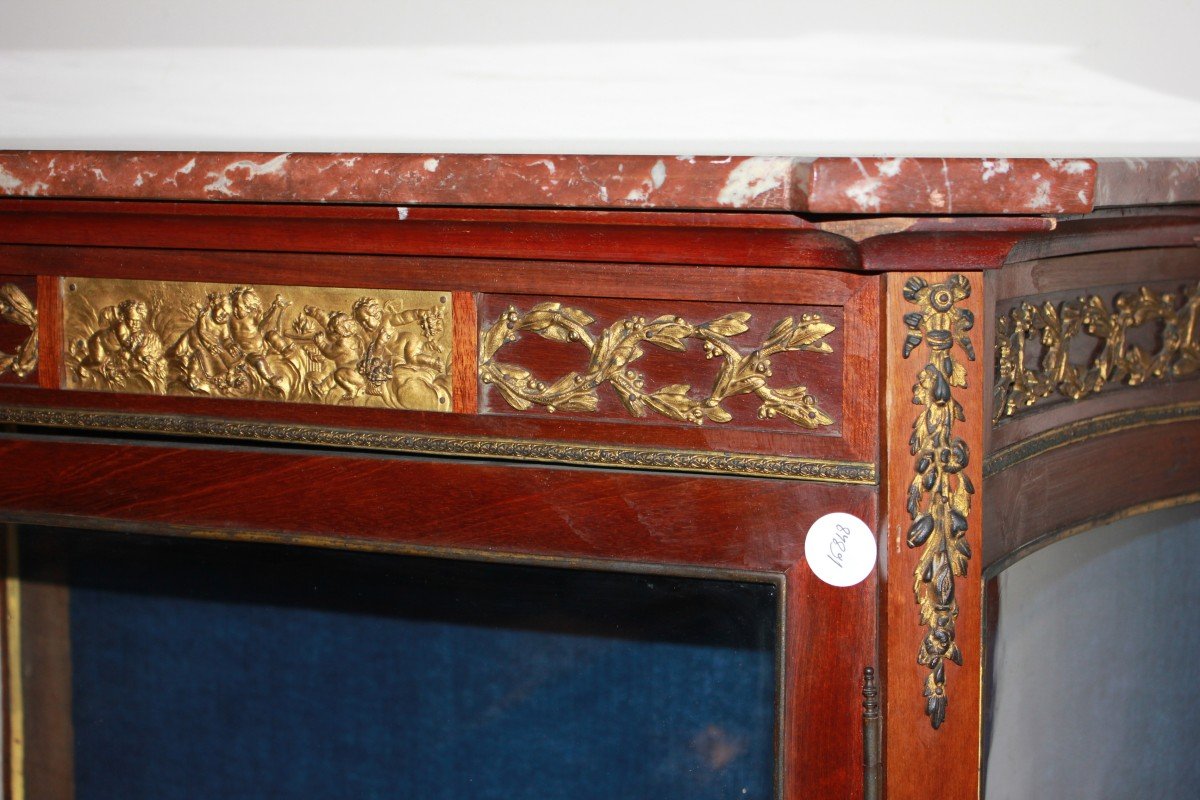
(367, 347)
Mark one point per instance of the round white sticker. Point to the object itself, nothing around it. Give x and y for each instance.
(841, 549)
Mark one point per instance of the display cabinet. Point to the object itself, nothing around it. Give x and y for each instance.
(462, 476)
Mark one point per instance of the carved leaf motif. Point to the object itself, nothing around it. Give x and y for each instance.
(615, 348)
(578, 317)
(718, 414)
(673, 402)
(780, 331)
(632, 400)
(578, 401)
(571, 394)
(496, 337)
(737, 381)
(808, 335)
(730, 324)
(552, 311)
(797, 405)
(551, 321)
(958, 376)
(550, 329)
(675, 327)
(668, 342)
(505, 385)
(27, 355)
(15, 307)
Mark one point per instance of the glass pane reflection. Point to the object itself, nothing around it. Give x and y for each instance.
(1093, 688)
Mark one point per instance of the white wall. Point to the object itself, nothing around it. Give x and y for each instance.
(924, 77)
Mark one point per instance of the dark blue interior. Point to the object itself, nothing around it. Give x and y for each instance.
(212, 670)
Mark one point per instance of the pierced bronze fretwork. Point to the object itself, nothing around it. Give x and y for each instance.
(939, 498)
(16, 309)
(620, 345)
(380, 348)
(1020, 385)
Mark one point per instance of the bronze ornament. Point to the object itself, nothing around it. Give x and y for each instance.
(378, 348)
(616, 456)
(16, 309)
(939, 498)
(1020, 384)
(619, 346)
(1083, 430)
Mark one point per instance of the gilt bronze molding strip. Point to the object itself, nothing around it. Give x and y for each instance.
(1084, 429)
(617, 456)
(939, 497)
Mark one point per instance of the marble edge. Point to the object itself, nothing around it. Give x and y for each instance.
(768, 183)
(1147, 181)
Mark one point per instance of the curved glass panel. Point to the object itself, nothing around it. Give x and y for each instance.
(1093, 687)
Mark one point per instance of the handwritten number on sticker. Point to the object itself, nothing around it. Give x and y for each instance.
(837, 545)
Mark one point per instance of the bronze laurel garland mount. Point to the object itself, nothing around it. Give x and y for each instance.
(1020, 386)
(939, 498)
(620, 345)
(16, 309)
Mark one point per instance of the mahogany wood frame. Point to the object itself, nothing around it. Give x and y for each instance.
(570, 514)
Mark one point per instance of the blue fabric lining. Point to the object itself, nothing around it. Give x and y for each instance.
(203, 670)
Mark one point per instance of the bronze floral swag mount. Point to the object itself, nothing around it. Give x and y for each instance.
(939, 497)
(619, 345)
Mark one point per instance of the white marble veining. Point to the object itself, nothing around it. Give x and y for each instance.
(806, 94)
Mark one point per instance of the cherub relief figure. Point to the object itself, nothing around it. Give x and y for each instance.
(390, 346)
(253, 338)
(399, 363)
(125, 346)
(376, 352)
(339, 340)
(201, 351)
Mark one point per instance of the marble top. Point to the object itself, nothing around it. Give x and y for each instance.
(765, 84)
(1016, 107)
(941, 186)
